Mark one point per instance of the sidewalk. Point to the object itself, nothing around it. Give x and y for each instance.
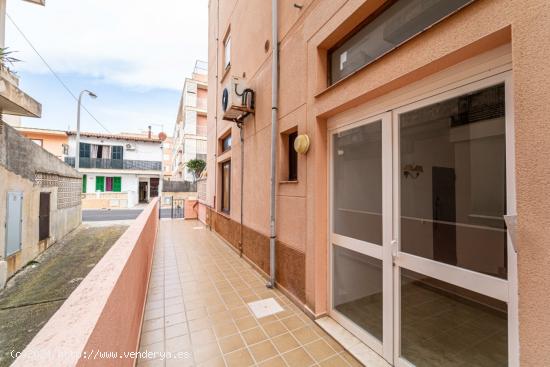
(197, 305)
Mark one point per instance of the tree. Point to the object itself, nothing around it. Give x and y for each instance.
(7, 58)
(196, 166)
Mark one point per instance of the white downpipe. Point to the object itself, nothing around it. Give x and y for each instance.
(274, 133)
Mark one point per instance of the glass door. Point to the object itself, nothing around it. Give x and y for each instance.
(361, 259)
(451, 192)
(422, 269)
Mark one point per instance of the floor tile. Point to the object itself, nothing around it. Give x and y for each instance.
(253, 336)
(239, 358)
(319, 350)
(263, 350)
(231, 343)
(285, 342)
(298, 358)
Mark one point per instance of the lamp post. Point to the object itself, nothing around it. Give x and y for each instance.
(77, 148)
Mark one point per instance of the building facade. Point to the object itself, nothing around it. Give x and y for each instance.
(417, 219)
(54, 141)
(189, 137)
(39, 200)
(119, 171)
(14, 103)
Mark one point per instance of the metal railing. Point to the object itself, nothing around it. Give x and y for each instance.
(116, 164)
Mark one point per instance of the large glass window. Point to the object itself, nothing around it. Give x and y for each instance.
(453, 182)
(386, 29)
(357, 180)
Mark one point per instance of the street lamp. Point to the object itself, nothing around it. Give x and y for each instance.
(77, 153)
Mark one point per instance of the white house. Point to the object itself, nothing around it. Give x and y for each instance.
(120, 170)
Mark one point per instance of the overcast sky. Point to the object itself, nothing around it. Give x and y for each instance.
(135, 54)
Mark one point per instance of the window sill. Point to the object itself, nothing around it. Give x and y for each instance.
(289, 182)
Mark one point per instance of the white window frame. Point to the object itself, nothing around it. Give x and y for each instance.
(227, 52)
(504, 290)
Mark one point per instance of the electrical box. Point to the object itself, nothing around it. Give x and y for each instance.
(237, 99)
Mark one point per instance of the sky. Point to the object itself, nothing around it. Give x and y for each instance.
(134, 54)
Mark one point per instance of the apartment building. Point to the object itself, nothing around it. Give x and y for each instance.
(119, 170)
(410, 200)
(53, 141)
(189, 137)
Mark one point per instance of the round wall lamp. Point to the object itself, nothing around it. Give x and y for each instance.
(301, 144)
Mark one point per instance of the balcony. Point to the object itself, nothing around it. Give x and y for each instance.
(13, 101)
(116, 164)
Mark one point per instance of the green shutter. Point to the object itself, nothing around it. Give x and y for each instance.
(100, 183)
(84, 183)
(116, 184)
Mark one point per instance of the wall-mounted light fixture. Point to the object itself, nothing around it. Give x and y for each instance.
(412, 171)
(301, 144)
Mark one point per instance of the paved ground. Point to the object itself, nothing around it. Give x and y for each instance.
(197, 305)
(34, 294)
(96, 215)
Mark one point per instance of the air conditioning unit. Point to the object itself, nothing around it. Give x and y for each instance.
(130, 146)
(237, 100)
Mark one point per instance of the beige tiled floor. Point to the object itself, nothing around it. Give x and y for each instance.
(197, 305)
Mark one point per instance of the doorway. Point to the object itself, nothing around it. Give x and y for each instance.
(143, 191)
(419, 250)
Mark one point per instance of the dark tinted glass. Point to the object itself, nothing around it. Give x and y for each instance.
(398, 22)
(292, 158)
(84, 150)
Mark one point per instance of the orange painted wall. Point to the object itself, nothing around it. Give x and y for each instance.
(306, 103)
(53, 143)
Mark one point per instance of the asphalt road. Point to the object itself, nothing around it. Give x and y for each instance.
(96, 215)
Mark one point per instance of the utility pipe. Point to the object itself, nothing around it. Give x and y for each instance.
(274, 135)
(242, 187)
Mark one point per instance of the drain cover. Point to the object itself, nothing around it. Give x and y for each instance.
(265, 307)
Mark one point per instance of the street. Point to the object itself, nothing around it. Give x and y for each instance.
(96, 215)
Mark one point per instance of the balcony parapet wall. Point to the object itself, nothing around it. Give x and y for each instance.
(105, 312)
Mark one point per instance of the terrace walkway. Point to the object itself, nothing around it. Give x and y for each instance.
(197, 307)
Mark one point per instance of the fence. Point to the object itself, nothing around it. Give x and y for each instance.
(179, 186)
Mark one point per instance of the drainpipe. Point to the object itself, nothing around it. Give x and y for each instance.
(242, 187)
(274, 134)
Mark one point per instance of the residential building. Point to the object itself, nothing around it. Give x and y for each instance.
(167, 144)
(14, 102)
(39, 200)
(54, 141)
(119, 170)
(190, 129)
(167, 147)
(426, 123)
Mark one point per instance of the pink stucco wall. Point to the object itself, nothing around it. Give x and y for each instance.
(104, 313)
